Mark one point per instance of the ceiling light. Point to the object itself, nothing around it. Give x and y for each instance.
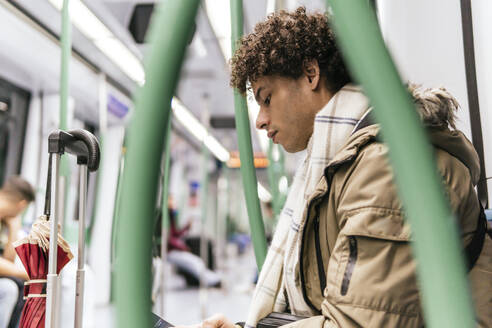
(92, 28)
(263, 194)
(216, 148)
(119, 54)
(219, 14)
(193, 126)
(188, 120)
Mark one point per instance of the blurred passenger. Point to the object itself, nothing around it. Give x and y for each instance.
(179, 254)
(15, 196)
(341, 253)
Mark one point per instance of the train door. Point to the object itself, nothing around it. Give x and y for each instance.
(14, 104)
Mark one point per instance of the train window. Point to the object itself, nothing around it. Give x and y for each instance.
(14, 103)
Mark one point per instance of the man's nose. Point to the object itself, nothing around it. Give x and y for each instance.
(262, 120)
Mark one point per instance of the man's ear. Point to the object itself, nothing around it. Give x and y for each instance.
(310, 68)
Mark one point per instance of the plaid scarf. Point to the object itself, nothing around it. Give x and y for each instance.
(332, 126)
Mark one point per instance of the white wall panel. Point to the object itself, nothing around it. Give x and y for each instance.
(99, 254)
(425, 40)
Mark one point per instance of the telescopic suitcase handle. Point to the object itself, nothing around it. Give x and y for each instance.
(78, 142)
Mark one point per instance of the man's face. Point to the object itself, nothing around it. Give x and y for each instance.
(286, 110)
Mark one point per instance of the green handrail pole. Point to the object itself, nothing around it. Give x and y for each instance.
(66, 53)
(204, 183)
(440, 266)
(169, 34)
(246, 150)
(165, 210)
(203, 222)
(165, 178)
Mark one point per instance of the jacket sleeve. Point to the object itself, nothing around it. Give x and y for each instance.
(370, 276)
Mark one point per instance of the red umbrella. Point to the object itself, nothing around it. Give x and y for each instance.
(33, 252)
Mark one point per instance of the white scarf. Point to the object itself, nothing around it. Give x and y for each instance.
(332, 126)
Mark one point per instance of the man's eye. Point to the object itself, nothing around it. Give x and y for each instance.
(267, 100)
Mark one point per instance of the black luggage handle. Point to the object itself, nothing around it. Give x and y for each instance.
(78, 142)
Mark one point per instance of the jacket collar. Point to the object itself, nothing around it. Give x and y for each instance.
(454, 142)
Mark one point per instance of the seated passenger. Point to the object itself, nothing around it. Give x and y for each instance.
(179, 254)
(15, 195)
(341, 252)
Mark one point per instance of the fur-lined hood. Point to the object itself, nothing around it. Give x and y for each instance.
(437, 109)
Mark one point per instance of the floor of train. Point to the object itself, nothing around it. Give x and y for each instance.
(187, 305)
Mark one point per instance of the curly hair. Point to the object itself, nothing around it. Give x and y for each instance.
(281, 44)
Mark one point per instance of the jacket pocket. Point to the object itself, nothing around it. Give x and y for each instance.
(371, 266)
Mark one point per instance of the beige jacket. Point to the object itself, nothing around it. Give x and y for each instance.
(355, 221)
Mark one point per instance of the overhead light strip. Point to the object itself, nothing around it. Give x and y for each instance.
(263, 194)
(219, 14)
(92, 28)
(195, 128)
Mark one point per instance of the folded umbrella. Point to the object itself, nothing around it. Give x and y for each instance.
(33, 251)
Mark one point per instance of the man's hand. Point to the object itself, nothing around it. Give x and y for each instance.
(215, 321)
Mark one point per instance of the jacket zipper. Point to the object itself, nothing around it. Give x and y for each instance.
(350, 265)
(301, 261)
(329, 172)
(319, 256)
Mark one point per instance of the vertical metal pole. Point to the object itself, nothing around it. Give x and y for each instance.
(446, 298)
(64, 171)
(473, 103)
(203, 232)
(248, 173)
(221, 217)
(165, 213)
(169, 33)
(51, 285)
(66, 45)
(80, 282)
(66, 53)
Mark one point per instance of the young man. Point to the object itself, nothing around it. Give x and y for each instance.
(341, 252)
(15, 196)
